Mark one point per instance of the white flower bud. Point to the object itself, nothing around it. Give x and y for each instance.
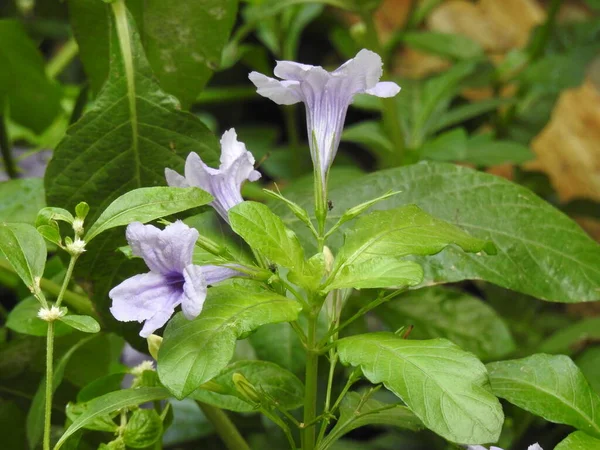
(75, 248)
(78, 226)
(51, 314)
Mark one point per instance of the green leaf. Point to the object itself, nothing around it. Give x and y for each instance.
(102, 422)
(25, 250)
(35, 416)
(454, 46)
(21, 199)
(32, 99)
(193, 352)
(143, 429)
(355, 412)
(550, 386)
(369, 134)
(569, 340)
(184, 43)
(23, 318)
(534, 257)
(50, 214)
(266, 232)
(267, 378)
(112, 402)
(377, 273)
(589, 363)
(128, 136)
(578, 441)
(101, 386)
(446, 387)
(462, 113)
(86, 324)
(146, 204)
(401, 232)
(286, 351)
(461, 318)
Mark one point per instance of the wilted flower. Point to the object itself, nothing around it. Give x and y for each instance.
(173, 279)
(224, 183)
(326, 96)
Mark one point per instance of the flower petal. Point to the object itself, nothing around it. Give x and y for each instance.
(232, 149)
(216, 274)
(157, 321)
(365, 69)
(139, 298)
(197, 173)
(165, 251)
(384, 89)
(194, 291)
(281, 92)
(535, 446)
(290, 70)
(174, 179)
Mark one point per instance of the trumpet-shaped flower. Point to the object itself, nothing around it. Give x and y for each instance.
(173, 280)
(326, 96)
(224, 183)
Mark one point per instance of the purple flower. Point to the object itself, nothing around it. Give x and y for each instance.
(326, 96)
(173, 279)
(535, 446)
(224, 183)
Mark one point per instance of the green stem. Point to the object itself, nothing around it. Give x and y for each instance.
(49, 382)
(68, 276)
(541, 39)
(391, 120)
(224, 427)
(62, 59)
(78, 302)
(5, 148)
(310, 382)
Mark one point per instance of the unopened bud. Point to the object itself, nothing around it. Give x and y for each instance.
(154, 342)
(142, 367)
(76, 247)
(78, 226)
(244, 387)
(329, 259)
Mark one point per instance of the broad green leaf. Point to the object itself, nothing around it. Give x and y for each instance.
(86, 324)
(23, 318)
(462, 113)
(146, 204)
(446, 387)
(287, 351)
(21, 199)
(25, 250)
(101, 386)
(569, 340)
(183, 41)
(143, 428)
(266, 377)
(193, 352)
(550, 386)
(448, 45)
(534, 257)
(578, 441)
(356, 413)
(128, 136)
(35, 416)
(102, 422)
(377, 273)
(400, 232)
(112, 402)
(50, 214)
(266, 232)
(461, 318)
(32, 99)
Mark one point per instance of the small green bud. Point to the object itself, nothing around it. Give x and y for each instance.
(81, 210)
(246, 389)
(154, 341)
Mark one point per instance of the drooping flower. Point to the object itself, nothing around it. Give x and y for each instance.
(173, 280)
(224, 183)
(326, 96)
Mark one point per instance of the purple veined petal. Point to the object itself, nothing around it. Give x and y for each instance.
(194, 291)
(139, 298)
(384, 89)
(281, 92)
(165, 251)
(215, 274)
(174, 179)
(199, 174)
(290, 70)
